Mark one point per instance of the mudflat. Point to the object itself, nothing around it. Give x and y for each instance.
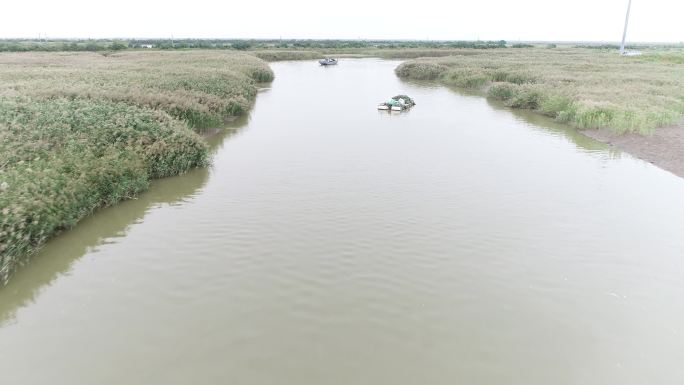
(664, 147)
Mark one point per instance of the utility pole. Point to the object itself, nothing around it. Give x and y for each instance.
(624, 33)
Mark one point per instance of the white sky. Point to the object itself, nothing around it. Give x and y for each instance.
(567, 20)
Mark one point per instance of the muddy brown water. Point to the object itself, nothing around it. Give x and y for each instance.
(460, 242)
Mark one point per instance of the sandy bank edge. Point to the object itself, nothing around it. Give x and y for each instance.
(663, 148)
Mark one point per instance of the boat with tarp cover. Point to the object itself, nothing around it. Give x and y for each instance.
(397, 103)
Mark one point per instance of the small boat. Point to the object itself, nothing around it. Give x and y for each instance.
(397, 103)
(328, 61)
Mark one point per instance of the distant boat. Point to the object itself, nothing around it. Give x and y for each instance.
(328, 61)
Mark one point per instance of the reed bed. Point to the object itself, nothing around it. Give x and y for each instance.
(199, 87)
(272, 55)
(582, 87)
(79, 131)
(281, 55)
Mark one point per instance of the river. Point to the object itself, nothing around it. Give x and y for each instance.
(331, 243)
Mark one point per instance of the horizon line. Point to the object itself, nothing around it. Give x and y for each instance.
(48, 38)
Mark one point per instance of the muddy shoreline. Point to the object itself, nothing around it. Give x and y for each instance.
(663, 148)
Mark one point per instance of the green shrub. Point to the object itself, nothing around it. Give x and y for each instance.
(502, 91)
(527, 98)
(421, 70)
(262, 75)
(561, 108)
(521, 45)
(117, 46)
(595, 117)
(241, 45)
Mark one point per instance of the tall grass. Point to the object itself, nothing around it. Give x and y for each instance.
(280, 55)
(582, 87)
(200, 87)
(83, 131)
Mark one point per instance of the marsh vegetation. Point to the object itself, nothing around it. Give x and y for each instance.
(80, 131)
(585, 88)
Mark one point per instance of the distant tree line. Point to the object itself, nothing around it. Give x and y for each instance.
(521, 45)
(16, 45)
(62, 45)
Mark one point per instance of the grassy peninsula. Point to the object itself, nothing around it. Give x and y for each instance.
(587, 88)
(79, 131)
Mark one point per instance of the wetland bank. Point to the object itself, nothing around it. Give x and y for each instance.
(460, 241)
(84, 131)
(635, 103)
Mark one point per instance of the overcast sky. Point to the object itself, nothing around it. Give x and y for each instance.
(571, 20)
